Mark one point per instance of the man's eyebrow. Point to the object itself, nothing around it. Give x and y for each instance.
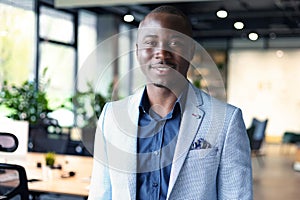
(178, 36)
(156, 36)
(150, 36)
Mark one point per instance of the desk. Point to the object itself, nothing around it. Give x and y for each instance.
(50, 179)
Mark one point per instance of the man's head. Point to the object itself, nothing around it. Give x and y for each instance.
(174, 11)
(165, 46)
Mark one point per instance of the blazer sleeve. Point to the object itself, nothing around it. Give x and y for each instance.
(100, 186)
(235, 172)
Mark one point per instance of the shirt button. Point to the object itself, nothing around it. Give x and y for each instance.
(156, 153)
(154, 184)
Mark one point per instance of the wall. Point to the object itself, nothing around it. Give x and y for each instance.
(265, 84)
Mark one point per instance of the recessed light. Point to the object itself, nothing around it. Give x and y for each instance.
(238, 25)
(253, 36)
(222, 13)
(128, 18)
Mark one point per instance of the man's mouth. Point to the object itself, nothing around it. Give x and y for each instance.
(163, 67)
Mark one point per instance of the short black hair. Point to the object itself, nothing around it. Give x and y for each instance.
(169, 9)
(174, 11)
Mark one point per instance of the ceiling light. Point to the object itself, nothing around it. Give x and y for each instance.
(128, 17)
(253, 36)
(238, 25)
(222, 13)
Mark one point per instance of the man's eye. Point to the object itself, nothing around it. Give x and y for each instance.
(150, 43)
(176, 43)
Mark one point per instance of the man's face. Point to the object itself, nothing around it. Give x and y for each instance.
(163, 49)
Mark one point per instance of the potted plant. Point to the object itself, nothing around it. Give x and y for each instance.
(25, 102)
(88, 106)
(50, 159)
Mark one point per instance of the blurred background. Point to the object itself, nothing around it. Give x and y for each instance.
(57, 70)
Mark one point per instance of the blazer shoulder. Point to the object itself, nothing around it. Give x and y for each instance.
(211, 102)
(133, 99)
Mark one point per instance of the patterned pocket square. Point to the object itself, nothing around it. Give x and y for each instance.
(200, 144)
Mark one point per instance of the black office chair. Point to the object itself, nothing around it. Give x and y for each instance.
(13, 178)
(47, 136)
(289, 138)
(256, 133)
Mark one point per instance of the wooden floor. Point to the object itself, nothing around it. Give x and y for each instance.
(276, 179)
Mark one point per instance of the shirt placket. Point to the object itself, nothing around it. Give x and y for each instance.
(157, 144)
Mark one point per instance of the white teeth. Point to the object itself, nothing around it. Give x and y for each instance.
(164, 68)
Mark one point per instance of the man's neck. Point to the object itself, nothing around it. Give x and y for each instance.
(161, 99)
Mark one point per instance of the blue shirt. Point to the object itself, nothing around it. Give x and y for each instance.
(156, 142)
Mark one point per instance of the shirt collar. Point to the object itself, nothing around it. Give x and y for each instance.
(144, 105)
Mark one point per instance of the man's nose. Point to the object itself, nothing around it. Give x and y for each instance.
(162, 52)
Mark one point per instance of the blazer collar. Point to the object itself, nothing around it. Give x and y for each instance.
(190, 123)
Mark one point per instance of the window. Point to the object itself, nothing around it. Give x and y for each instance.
(130, 77)
(59, 61)
(56, 25)
(17, 42)
(87, 36)
(57, 54)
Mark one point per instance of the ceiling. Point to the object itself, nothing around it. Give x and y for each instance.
(269, 18)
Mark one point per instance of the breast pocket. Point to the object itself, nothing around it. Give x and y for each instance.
(204, 159)
(202, 153)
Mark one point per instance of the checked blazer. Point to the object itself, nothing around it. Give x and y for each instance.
(220, 169)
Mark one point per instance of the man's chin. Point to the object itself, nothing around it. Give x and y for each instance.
(164, 85)
(172, 85)
(159, 85)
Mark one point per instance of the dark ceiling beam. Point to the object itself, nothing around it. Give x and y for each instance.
(230, 33)
(96, 3)
(245, 14)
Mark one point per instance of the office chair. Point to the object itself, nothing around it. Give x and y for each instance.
(13, 178)
(47, 136)
(256, 134)
(289, 138)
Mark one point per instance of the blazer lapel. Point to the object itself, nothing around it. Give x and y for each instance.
(191, 119)
(133, 104)
(125, 117)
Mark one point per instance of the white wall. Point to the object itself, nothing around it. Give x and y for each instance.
(266, 84)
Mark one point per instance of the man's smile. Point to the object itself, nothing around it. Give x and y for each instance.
(162, 67)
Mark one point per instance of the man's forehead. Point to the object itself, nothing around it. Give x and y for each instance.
(164, 20)
(150, 31)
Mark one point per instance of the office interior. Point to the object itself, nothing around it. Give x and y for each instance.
(61, 60)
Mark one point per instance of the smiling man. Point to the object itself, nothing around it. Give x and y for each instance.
(170, 140)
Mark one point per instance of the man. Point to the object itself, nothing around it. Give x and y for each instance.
(170, 140)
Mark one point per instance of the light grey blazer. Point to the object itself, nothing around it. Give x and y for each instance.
(222, 171)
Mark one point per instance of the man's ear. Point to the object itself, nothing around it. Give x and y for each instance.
(136, 49)
(192, 50)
